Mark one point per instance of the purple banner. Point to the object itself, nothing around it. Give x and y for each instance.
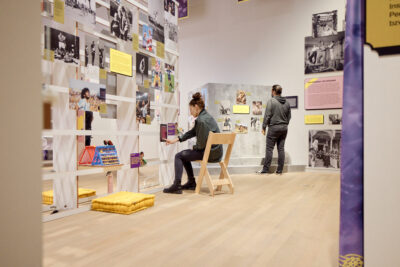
(183, 9)
(135, 160)
(351, 196)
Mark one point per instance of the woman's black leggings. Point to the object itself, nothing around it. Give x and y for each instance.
(183, 159)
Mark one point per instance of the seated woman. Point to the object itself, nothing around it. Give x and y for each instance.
(203, 125)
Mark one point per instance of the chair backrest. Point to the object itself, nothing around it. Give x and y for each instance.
(219, 139)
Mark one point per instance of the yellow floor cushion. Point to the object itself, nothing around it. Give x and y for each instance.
(123, 202)
(47, 196)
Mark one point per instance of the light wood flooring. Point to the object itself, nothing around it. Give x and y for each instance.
(288, 220)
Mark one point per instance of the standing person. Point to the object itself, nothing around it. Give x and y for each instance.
(101, 55)
(86, 55)
(203, 125)
(93, 51)
(85, 105)
(277, 117)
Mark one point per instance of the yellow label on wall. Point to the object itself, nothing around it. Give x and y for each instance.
(135, 42)
(103, 74)
(248, 93)
(80, 121)
(310, 82)
(103, 108)
(59, 11)
(241, 109)
(160, 50)
(383, 23)
(237, 121)
(120, 62)
(220, 120)
(314, 119)
(146, 84)
(264, 105)
(153, 61)
(48, 55)
(216, 102)
(148, 119)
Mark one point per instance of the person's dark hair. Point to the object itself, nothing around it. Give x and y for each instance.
(277, 89)
(197, 100)
(83, 92)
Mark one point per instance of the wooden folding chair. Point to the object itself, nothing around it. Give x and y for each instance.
(224, 177)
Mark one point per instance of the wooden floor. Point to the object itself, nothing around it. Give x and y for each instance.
(288, 220)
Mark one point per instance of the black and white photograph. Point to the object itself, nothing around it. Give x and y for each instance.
(293, 101)
(335, 119)
(227, 125)
(324, 54)
(64, 45)
(91, 51)
(104, 53)
(156, 19)
(324, 149)
(255, 124)
(225, 107)
(169, 7)
(142, 69)
(83, 11)
(324, 24)
(121, 20)
(142, 107)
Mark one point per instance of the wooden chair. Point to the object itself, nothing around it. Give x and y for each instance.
(224, 177)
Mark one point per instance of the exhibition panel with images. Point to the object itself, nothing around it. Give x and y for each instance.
(110, 83)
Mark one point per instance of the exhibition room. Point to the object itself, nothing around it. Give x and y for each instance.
(200, 133)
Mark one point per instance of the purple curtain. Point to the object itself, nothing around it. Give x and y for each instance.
(352, 161)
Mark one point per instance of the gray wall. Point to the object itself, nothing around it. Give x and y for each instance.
(20, 112)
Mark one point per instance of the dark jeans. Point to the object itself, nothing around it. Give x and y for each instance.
(183, 159)
(88, 126)
(276, 135)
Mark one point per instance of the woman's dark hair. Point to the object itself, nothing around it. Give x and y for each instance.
(197, 100)
(83, 92)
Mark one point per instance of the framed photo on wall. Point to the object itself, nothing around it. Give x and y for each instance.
(293, 101)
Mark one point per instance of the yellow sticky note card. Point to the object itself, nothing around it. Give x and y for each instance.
(220, 120)
(148, 119)
(103, 108)
(314, 119)
(216, 102)
(153, 61)
(48, 55)
(120, 62)
(241, 109)
(103, 74)
(59, 11)
(248, 93)
(261, 119)
(80, 121)
(264, 105)
(135, 42)
(310, 82)
(237, 121)
(160, 50)
(146, 84)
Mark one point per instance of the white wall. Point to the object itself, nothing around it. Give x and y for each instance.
(20, 135)
(381, 172)
(259, 42)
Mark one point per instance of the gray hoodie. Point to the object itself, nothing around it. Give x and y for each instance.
(277, 112)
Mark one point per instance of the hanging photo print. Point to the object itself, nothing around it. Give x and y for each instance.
(241, 97)
(87, 96)
(147, 38)
(63, 46)
(324, 148)
(83, 11)
(142, 69)
(142, 107)
(171, 24)
(156, 74)
(121, 20)
(255, 124)
(183, 11)
(169, 78)
(324, 24)
(227, 125)
(257, 108)
(241, 128)
(225, 107)
(156, 19)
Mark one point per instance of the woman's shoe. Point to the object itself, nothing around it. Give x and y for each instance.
(173, 189)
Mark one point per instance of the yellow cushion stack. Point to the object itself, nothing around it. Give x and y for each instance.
(123, 202)
(47, 196)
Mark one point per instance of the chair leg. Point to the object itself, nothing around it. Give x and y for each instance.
(209, 182)
(200, 180)
(227, 176)
(221, 176)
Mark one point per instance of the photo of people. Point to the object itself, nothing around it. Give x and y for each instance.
(169, 7)
(83, 11)
(335, 119)
(241, 128)
(91, 51)
(86, 96)
(240, 97)
(324, 54)
(225, 107)
(183, 9)
(324, 148)
(147, 38)
(121, 21)
(227, 125)
(156, 74)
(156, 19)
(142, 107)
(257, 108)
(255, 124)
(142, 69)
(169, 78)
(324, 24)
(64, 45)
(104, 53)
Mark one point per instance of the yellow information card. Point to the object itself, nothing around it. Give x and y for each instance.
(241, 109)
(314, 119)
(120, 62)
(48, 55)
(59, 11)
(103, 74)
(135, 42)
(383, 24)
(160, 50)
(146, 84)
